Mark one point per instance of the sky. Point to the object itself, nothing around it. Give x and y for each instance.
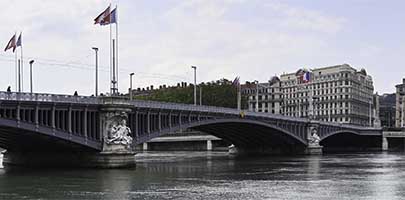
(160, 40)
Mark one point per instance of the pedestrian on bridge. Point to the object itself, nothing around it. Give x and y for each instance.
(9, 89)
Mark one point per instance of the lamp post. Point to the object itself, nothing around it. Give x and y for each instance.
(96, 63)
(130, 85)
(31, 62)
(195, 84)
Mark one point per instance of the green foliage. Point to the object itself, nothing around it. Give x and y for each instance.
(219, 93)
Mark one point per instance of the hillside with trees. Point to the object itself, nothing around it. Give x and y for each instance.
(219, 93)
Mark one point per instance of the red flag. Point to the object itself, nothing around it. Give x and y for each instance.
(110, 18)
(11, 44)
(101, 18)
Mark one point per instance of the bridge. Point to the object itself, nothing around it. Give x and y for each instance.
(103, 131)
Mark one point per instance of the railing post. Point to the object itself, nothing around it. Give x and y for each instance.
(180, 119)
(18, 117)
(69, 119)
(170, 119)
(85, 123)
(136, 131)
(36, 115)
(148, 122)
(159, 121)
(53, 120)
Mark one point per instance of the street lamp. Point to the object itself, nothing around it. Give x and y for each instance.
(96, 84)
(130, 85)
(195, 84)
(31, 62)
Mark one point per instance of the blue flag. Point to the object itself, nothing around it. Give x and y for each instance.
(113, 16)
(19, 41)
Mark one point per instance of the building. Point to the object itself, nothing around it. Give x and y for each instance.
(268, 96)
(399, 104)
(387, 110)
(337, 94)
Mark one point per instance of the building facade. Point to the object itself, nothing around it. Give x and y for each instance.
(263, 97)
(399, 104)
(387, 110)
(336, 94)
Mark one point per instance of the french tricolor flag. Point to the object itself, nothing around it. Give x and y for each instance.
(306, 77)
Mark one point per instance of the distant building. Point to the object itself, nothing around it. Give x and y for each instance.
(399, 105)
(336, 94)
(387, 110)
(268, 95)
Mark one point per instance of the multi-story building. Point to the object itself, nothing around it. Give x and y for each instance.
(336, 94)
(263, 97)
(400, 105)
(387, 110)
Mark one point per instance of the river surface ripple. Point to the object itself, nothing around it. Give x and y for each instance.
(215, 175)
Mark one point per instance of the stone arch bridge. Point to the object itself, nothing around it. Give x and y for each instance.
(35, 124)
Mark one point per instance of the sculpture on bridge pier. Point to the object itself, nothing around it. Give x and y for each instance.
(313, 139)
(117, 135)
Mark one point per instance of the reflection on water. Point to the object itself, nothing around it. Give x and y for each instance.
(210, 175)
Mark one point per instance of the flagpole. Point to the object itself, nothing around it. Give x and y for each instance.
(239, 96)
(116, 42)
(111, 86)
(22, 65)
(16, 72)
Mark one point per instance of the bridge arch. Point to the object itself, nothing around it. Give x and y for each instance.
(244, 133)
(349, 140)
(28, 136)
(335, 133)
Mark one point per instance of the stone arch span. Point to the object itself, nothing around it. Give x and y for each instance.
(242, 133)
(349, 140)
(24, 136)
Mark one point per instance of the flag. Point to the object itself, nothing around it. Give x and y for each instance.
(102, 17)
(236, 81)
(306, 77)
(19, 41)
(11, 44)
(113, 16)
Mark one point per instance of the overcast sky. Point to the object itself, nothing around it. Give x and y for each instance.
(159, 40)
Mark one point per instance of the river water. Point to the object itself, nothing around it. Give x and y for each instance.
(215, 175)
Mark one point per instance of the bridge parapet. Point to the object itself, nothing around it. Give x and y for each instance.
(42, 97)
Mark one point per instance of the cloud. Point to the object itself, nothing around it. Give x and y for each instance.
(295, 17)
(160, 41)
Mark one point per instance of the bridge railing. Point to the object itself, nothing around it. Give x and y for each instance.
(21, 96)
(207, 109)
(42, 97)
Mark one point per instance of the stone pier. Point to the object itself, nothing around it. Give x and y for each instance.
(313, 139)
